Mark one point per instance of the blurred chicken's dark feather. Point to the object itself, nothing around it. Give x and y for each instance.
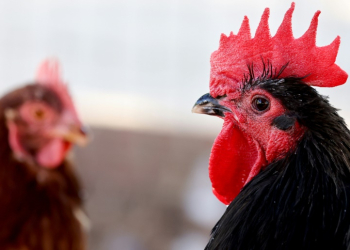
(38, 205)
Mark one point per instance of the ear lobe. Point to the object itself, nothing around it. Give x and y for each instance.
(283, 122)
(283, 137)
(279, 143)
(279, 139)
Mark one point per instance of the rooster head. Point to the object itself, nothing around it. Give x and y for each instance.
(258, 127)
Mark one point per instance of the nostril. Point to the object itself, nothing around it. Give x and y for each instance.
(221, 97)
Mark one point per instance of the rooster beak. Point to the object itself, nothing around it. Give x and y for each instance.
(208, 105)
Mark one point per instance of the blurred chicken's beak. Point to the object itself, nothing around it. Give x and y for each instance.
(208, 105)
(76, 135)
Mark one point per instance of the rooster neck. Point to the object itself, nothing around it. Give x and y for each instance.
(292, 204)
(299, 202)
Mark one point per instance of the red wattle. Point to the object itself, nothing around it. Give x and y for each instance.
(53, 153)
(234, 158)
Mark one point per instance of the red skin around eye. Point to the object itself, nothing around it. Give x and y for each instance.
(28, 113)
(50, 150)
(247, 143)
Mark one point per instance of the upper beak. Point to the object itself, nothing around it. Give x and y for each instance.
(76, 134)
(210, 106)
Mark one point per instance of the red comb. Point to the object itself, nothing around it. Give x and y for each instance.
(49, 75)
(304, 58)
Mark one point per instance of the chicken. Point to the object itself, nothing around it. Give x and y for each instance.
(282, 160)
(39, 190)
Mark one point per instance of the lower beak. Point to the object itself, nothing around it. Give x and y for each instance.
(210, 106)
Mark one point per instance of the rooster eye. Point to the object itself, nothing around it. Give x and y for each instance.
(260, 103)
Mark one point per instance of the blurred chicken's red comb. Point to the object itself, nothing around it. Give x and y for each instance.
(304, 58)
(49, 75)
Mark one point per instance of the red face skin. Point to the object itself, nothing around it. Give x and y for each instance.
(38, 133)
(247, 143)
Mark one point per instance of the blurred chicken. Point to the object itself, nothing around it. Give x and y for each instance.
(39, 191)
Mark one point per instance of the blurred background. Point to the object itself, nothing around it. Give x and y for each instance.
(135, 68)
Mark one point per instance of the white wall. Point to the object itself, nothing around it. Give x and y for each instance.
(141, 64)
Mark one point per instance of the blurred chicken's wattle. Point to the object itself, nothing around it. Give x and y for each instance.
(53, 153)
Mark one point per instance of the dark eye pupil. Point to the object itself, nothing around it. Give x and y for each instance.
(39, 114)
(261, 104)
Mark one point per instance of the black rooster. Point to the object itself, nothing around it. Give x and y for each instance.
(282, 160)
